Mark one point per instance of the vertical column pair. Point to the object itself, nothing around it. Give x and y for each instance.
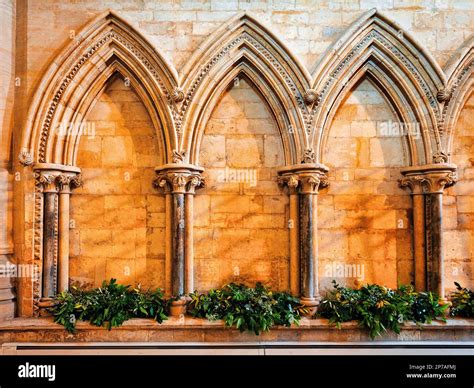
(304, 182)
(179, 181)
(427, 184)
(54, 184)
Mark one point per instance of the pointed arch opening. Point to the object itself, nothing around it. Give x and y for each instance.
(74, 81)
(245, 46)
(393, 58)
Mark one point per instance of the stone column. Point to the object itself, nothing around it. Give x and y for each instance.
(66, 182)
(431, 180)
(292, 181)
(55, 183)
(414, 183)
(435, 183)
(305, 180)
(180, 180)
(50, 237)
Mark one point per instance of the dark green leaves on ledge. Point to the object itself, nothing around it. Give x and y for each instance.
(255, 309)
(109, 305)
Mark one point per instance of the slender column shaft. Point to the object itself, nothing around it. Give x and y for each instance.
(436, 273)
(419, 242)
(63, 261)
(178, 244)
(169, 243)
(189, 246)
(308, 247)
(294, 246)
(49, 245)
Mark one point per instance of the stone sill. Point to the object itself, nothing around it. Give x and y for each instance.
(18, 324)
(175, 330)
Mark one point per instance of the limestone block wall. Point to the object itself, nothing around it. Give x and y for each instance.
(117, 219)
(241, 217)
(364, 218)
(459, 204)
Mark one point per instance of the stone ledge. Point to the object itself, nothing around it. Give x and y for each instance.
(201, 330)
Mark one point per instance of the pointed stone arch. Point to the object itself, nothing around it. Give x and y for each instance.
(379, 47)
(75, 79)
(243, 45)
(460, 85)
(65, 95)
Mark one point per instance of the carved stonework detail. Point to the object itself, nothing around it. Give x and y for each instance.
(311, 96)
(305, 181)
(412, 182)
(179, 182)
(47, 182)
(177, 95)
(291, 181)
(429, 181)
(312, 182)
(179, 157)
(25, 158)
(440, 157)
(63, 182)
(66, 182)
(76, 181)
(444, 95)
(437, 182)
(309, 156)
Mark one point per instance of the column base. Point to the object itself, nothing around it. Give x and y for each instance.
(311, 305)
(44, 305)
(178, 308)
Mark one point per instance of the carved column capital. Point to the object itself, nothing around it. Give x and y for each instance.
(68, 181)
(54, 178)
(429, 179)
(291, 181)
(178, 178)
(46, 181)
(304, 178)
(437, 182)
(414, 183)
